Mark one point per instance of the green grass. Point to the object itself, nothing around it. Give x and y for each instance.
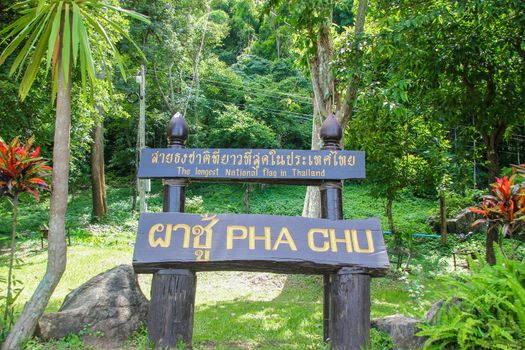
(83, 262)
(410, 213)
(233, 309)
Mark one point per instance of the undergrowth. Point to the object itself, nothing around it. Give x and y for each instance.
(487, 310)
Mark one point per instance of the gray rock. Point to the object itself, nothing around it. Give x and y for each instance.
(452, 226)
(434, 222)
(402, 329)
(461, 224)
(107, 309)
(435, 312)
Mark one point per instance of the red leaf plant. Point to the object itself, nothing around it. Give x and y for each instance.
(21, 170)
(506, 205)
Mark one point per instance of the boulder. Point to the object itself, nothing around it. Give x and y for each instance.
(402, 329)
(107, 309)
(452, 226)
(461, 224)
(436, 310)
(464, 221)
(434, 222)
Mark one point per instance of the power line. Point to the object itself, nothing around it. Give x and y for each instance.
(301, 116)
(298, 114)
(233, 87)
(265, 92)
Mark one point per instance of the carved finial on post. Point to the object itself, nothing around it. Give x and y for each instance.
(177, 131)
(171, 309)
(331, 133)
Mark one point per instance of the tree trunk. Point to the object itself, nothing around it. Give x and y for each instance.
(247, 197)
(443, 219)
(390, 216)
(56, 262)
(312, 200)
(492, 236)
(492, 141)
(8, 302)
(326, 97)
(493, 159)
(134, 193)
(98, 178)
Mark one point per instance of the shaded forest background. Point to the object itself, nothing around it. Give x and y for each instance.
(439, 101)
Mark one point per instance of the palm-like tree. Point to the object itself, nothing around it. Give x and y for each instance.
(57, 32)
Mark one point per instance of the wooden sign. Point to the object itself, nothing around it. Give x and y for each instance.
(257, 165)
(258, 243)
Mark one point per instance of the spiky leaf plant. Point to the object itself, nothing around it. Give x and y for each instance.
(22, 170)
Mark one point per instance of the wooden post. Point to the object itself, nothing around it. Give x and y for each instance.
(350, 310)
(346, 310)
(170, 317)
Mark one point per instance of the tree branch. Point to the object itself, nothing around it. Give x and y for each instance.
(345, 113)
(164, 97)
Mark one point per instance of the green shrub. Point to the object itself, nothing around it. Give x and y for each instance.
(380, 340)
(491, 312)
(457, 202)
(194, 205)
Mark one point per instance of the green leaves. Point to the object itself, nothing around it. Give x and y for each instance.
(490, 314)
(63, 28)
(239, 129)
(53, 36)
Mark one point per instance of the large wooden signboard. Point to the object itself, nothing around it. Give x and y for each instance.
(172, 245)
(258, 243)
(252, 165)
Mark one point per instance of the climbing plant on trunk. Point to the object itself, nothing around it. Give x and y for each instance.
(56, 32)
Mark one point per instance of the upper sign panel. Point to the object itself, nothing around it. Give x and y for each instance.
(259, 165)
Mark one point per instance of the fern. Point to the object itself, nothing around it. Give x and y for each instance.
(491, 314)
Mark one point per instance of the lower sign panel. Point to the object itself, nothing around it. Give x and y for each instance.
(258, 243)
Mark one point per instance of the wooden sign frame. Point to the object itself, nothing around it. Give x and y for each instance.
(346, 309)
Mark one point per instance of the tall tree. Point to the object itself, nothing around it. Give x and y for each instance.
(98, 175)
(468, 59)
(60, 27)
(181, 34)
(403, 149)
(318, 24)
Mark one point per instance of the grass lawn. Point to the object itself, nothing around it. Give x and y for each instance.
(233, 309)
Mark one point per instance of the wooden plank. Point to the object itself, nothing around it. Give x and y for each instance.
(252, 165)
(258, 243)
